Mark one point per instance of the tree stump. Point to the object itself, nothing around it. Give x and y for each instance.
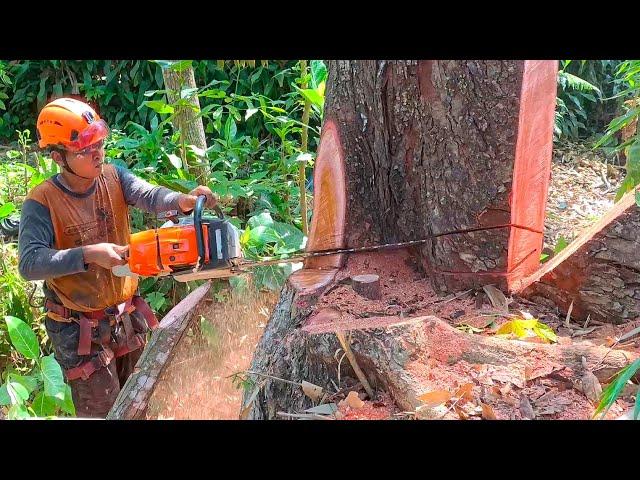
(367, 285)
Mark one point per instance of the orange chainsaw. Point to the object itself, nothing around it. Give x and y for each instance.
(197, 248)
(193, 248)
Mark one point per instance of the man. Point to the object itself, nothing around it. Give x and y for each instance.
(74, 228)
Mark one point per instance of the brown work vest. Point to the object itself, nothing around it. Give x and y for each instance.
(100, 215)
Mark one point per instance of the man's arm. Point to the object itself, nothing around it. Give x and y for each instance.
(147, 197)
(38, 261)
(155, 199)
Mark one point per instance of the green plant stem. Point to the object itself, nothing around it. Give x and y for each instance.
(302, 165)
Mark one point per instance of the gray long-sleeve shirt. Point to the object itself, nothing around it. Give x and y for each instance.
(39, 260)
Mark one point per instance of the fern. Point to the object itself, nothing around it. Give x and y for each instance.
(572, 82)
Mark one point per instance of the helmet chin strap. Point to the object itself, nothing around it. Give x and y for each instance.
(70, 170)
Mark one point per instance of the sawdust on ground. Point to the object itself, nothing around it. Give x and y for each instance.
(198, 383)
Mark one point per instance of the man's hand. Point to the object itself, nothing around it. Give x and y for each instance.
(106, 255)
(188, 202)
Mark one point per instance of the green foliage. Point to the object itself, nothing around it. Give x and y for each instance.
(38, 389)
(612, 392)
(628, 81)
(264, 238)
(584, 106)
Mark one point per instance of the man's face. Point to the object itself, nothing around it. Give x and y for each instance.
(87, 162)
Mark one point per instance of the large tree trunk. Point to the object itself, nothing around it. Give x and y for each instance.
(456, 150)
(414, 149)
(186, 119)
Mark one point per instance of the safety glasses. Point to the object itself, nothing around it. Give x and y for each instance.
(90, 139)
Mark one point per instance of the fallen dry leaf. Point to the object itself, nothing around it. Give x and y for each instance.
(314, 392)
(435, 398)
(353, 400)
(460, 413)
(591, 386)
(465, 392)
(487, 412)
(550, 403)
(505, 390)
(497, 298)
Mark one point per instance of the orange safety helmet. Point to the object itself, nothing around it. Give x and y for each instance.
(70, 124)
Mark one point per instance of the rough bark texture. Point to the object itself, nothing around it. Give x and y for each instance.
(186, 119)
(599, 272)
(430, 148)
(133, 399)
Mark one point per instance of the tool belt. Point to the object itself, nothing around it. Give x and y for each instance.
(103, 320)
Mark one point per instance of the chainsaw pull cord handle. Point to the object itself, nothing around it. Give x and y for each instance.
(197, 224)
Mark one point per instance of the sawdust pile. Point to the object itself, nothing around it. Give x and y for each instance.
(197, 383)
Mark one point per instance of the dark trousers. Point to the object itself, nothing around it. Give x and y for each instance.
(94, 396)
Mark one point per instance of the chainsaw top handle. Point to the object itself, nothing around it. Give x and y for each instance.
(197, 223)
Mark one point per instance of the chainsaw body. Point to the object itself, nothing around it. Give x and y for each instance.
(203, 244)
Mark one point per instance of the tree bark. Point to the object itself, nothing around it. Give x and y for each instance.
(186, 119)
(414, 149)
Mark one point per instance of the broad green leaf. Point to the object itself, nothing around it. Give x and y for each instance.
(544, 331)
(261, 235)
(175, 160)
(213, 93)
(291, 236)
(244, 238)
(612, 392)
(638, 198)
(43, 405)
(159, 107)
(181, 65)
(188, 92)
(230, 129)
(18, 412)
(560, 245)
(249, 113)
(28, 382)
(318, 72)
(5, 399)
(22, 337)
(54, 385)
(312, 96)
(7, 209)
(156, 300)
(626, 186)
(272, 277)
(67, 404)
(636, 410)
(263, 219)
(17, 393)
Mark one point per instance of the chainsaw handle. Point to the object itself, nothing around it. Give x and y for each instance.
(197, 224)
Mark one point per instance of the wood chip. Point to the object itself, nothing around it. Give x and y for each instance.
(525, 408)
